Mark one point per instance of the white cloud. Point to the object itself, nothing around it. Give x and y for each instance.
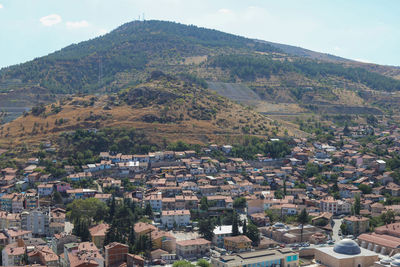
(77, 24)
(336, 48)
(225, 11)
(1, 6)
(50, 20)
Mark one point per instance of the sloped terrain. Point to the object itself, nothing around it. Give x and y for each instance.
(271, 78)
(165, 107)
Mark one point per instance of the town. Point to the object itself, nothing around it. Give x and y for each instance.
(306, 203)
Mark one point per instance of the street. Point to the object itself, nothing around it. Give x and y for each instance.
(336, 228)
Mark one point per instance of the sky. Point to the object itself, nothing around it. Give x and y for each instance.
(364, 30)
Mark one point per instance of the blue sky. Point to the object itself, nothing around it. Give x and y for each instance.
(364, 30)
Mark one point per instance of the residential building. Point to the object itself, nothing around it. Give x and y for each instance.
(98, 234)
(356, 224)
(115, 254)
(240, 243)
(220, 232)
(37, 221)
(195, 248)
(43, 255)
(45, 189)
(171, 218)
(12, 255)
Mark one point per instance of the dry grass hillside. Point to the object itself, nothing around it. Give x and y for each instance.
(163, 108)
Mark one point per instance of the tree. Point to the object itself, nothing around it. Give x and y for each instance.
(244, 227)
(346, 130)
(357, 204)
(57, 198)
(311, 169)
(204, 204)
(253, 233)
(87, 209)
(112, 207)
(302, 219)
(203, 263)
(365, 189)
(235, 224)
(81, 229)
(388, 217)
(206, 229)
(343, 228)
(284, 187)
(239, 203)
(148, 210)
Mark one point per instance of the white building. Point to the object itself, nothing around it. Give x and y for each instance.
(170, 218)
(37, 221)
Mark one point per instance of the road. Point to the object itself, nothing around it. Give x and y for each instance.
(336, 228)
(99, 189)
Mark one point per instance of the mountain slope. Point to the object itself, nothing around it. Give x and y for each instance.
(164, 107)
(92, 65)
(276, 74)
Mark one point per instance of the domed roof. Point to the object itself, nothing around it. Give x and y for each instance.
(347, 246)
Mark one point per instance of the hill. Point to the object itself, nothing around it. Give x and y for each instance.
(163, 108)
(273, 78)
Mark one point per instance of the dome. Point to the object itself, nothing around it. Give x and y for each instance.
(347, 246)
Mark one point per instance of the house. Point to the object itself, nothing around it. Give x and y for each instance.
(220, 232)
(115, 254)
(12, 255)
(142, 228)
(43, 255)
(163, 240)
(81, 193)
(6, 202)
(155, 201)
(98, 234)
(103, 197)
(193, 249)
(13, 235)
(171, 218)
(238, 243)
(82, 254)
(45, 189)
(63, 187)
(356, 224)
(59, 240)
(135, 260)
(17, 203)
